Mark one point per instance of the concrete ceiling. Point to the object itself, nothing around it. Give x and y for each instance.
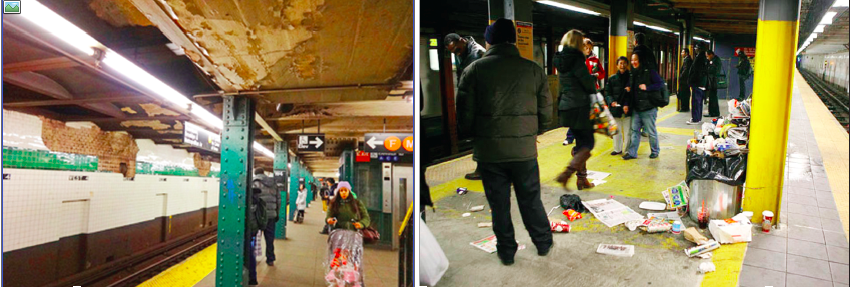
(835, 37)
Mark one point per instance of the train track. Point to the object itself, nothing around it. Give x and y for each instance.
(143, 265)
(835, 99)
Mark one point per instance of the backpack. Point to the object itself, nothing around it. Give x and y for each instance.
(257, 218)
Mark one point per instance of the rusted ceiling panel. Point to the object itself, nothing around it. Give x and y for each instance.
(268, 44)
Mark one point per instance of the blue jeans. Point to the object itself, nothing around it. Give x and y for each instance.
(645, 120)
(696, 105)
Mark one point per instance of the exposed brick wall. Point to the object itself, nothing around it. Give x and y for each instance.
(202, 165)
(111, 148)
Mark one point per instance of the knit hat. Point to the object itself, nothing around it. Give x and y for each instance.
(501, 31)
(344, 184)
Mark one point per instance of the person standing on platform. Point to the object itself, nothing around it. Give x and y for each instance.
(256, 219)
(348, 216)
(697, 80)
(504, 104)
(684, 92)
(619, 98)
(744, 73)
(645, 52)
(271, 197)
(577, 84)
(301, 203)
(466, 51)
(645, 84)
(714, 69)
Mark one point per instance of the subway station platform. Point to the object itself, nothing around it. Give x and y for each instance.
(809, 249)
(300, 261)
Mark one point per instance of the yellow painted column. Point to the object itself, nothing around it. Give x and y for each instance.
(771, 110)
(618, 39)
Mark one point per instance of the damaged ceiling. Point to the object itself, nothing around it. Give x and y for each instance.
(340, 67)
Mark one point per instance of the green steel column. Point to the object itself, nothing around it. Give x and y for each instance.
(281, 159)
(236, 162)
(294, 176)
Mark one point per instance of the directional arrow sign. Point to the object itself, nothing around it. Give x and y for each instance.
(389, 143)
(311, 142)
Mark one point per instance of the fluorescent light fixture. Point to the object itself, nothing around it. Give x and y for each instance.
(827, 18)
(819, 28)
(48, 20)
(289, 165)
(337, 174)
(639, 24)
(841, 3)
(133, 72)
(677, 33)
(698, 38)
(260, 148)
(653, 27)
(568, 7)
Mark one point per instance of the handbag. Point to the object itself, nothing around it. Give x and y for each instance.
(600, 116)
(370, 235)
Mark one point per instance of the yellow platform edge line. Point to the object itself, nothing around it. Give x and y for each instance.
(834, 145)
(188, 273)
(728, 261)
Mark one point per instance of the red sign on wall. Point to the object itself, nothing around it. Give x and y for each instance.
(750, 51)
(362, 156)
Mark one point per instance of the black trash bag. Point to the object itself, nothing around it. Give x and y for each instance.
(730, 170)
(572, 201)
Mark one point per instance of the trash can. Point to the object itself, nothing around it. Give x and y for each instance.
(721, 200)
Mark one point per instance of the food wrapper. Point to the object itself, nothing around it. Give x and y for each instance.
(572, 214)
(344, 261)
(692, 235)
(559, 226)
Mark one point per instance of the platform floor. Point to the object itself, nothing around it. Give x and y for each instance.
(299, 261)
(814, 254)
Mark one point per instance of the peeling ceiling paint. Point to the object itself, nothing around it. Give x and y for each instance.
(119, 13)
(128, 110)
(154, 109)
(157, 125)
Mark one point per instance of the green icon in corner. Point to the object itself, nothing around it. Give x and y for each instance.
(11, 7)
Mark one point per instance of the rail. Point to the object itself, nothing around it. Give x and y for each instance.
(133, 269)
(834, 99)
(406, 253)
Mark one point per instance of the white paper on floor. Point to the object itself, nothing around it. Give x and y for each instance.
(598, 182)
(592, 174)
(488, 244)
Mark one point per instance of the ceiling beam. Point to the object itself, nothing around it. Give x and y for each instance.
(46, 86)
(113, 99)
(98, 120)
(724, 6)
(39, 65)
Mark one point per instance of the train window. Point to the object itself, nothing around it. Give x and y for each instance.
(661, 60)
(596, 50)
(434, 59)
(560, 47)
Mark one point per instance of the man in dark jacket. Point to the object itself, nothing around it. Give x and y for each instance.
(684, 92)
(271, 196)
(714, 69)
(504, 103)
(697, 80)
(618, 100)
(645, 53)
(744, 70)
(466, 52)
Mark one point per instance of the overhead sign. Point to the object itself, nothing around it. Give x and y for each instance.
(750, 51)
(362, 156)
(199, 137)
(311, 142)
(389, 143)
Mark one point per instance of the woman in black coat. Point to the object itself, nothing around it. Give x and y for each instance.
(574, 105)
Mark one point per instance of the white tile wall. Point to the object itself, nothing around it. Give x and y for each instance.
(22, 130)
(34, 214)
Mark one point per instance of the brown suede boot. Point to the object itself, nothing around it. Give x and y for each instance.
(565, 176)
(581, 172)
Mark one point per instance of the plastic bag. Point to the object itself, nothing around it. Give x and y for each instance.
(432, 261)
(729, 170)
(572, 201)
(258, 247)
(344, 261)
(600, 116)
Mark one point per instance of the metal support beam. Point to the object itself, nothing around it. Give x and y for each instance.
(39, 65)
(447, 88)
(772, 88)
(618, 31)
(281, 160)
(237, 162)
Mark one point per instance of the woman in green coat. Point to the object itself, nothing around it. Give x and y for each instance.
(347, 216)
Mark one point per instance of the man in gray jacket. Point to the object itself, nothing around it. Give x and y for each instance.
(504, 104)
(271, 196)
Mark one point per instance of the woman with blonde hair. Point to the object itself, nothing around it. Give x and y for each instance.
(574, 105)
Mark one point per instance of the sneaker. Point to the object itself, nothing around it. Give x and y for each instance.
(654, 155)
(628, 157)
(690, 122)
(616, 152)
(568, 142)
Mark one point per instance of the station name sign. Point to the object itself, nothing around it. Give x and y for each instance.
(200, 138)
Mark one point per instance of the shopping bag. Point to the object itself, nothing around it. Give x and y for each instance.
(432, 261)
(600, 116)
(258, 247)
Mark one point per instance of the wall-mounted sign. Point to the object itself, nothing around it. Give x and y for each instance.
(362, 156)
(311, 142)
(198, 137)
(750, 51)
(524, 39)
(389, 143)
(78, 178)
